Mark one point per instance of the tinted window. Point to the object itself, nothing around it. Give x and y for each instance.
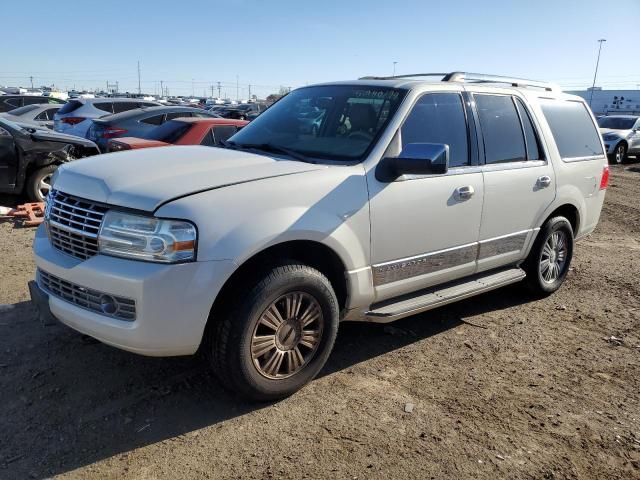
(14, 102)
(172, 115)
(501, 130)
(533, 146)
(616, 123)
(145, 104)
(208, 140)
(439, 118)
(124, 106)
(42, 116)
(104, 106)
(155, 120)
(34, 100)
(223, 132)
(169, 132)
(23, 110)
(572, 128)
(70, 106)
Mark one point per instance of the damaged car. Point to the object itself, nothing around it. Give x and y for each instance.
(29, 156)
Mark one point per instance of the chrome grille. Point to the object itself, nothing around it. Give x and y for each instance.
(73, 224)
(93, 300)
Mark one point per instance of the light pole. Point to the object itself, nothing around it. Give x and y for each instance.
(394, 68)
(595, 75)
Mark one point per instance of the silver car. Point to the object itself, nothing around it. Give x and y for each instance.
(621, 135)
(74, 118)
(38, 115)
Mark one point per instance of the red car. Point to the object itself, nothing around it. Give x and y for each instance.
(182, 131)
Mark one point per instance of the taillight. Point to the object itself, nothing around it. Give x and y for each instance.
(604, 181)
(72, 120)
(111, 132)
(117, 146)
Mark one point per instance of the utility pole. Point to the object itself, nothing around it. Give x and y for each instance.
(595, 75)
(139, 87)
(211, 91)
(31, 78)
(218, 89)
(237, 88)
(394, 68)
(249, 92)
(161, 88)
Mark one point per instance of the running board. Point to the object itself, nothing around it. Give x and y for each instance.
(437, 297)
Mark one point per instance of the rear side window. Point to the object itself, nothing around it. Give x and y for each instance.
(501, 130)
(172, 115)
(14, 102)
(439, 118)
(155, 120)
(70, 106)
(35, 100)
(208, 140)
(104, 106)
(124, 106)
(533, 146)
(223, 133)
(573, 130)
(169, 132)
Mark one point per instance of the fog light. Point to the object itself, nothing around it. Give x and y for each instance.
(108, 304)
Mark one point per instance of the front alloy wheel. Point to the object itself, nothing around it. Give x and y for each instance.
(287, 335)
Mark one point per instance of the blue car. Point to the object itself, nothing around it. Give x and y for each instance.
(138, 122)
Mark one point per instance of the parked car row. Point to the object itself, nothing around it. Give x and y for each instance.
(621, 135)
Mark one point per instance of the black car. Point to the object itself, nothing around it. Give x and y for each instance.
(29, 156)
(9, 102)
(245, 111)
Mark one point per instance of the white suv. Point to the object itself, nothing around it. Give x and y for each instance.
(409, 195)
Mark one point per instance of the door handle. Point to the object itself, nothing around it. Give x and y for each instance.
(544, 181)
(465, 193)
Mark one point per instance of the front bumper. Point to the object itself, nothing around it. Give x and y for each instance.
(172, 301)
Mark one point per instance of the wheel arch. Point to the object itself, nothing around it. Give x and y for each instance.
(570, 212)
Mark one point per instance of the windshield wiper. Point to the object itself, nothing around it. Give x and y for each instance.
(270, 147)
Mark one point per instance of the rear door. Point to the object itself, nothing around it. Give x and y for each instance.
(519, 181)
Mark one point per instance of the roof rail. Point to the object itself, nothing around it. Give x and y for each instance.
(466, 77)
(484, 78)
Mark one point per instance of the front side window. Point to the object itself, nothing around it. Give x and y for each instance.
(501, 129)
(573, 130)
(335, 122)
(439, 118)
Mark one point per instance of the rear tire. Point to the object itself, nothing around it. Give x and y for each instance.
(268, 343)
(39, 183)
(548, 262)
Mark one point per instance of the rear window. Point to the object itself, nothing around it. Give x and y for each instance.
(23, 110)
(124, 106)
(169, 132)
(69, 107)
(573, 130)
(104, 106)
(155, 120)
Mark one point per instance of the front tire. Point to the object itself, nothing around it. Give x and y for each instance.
(619, 154)
(548, 262)
(38, 184)
(270, 343)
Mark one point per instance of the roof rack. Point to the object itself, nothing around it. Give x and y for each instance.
(466, 77)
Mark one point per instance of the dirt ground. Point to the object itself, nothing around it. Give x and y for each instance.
(501, 386)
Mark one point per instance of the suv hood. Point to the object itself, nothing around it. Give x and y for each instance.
(147, 178)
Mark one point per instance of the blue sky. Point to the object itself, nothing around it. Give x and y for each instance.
(291, 43)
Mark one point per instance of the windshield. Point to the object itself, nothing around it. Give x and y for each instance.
(23, 110)
(336, 122)
(168, 132)
(616, 123)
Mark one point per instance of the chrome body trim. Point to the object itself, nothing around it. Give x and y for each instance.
(404, 268)
(513, 242)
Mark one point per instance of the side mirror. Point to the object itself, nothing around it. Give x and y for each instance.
(415, 159)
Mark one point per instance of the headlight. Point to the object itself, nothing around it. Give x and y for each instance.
(610, 136)
(147, 238)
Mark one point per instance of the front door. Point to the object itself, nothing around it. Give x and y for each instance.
(424, 228)
(519, 183)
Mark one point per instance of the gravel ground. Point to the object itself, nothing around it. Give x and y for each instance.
(501, 387)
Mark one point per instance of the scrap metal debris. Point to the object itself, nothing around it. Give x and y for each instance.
(29, 214)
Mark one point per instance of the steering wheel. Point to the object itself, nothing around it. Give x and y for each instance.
(362, 135)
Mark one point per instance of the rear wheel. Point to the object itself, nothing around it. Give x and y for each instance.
(548, 262)
(270, 343)
(38, 184)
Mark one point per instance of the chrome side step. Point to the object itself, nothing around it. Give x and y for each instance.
(437, 297)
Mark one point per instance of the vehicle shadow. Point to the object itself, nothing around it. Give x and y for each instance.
(69, 401)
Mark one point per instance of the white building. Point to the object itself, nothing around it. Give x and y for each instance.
(610, 102)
